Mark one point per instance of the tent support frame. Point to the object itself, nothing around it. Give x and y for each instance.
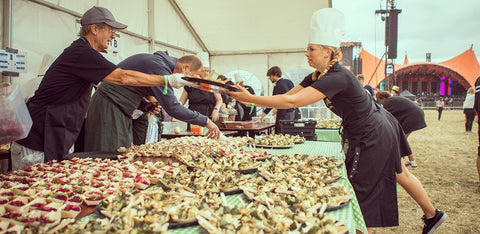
(79, 15)
(6, 31)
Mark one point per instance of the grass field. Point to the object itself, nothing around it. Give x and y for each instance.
(446, 159)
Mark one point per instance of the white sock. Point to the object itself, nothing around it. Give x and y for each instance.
(413, 163)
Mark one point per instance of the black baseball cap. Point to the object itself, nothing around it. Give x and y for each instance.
(96, 15)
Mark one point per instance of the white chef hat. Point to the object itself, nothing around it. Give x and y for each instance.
(204, 57)
(327, 27)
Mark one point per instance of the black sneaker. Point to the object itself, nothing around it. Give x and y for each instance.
(433, 223)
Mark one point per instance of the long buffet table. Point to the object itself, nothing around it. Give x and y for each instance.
(328, 134)
(350, 214)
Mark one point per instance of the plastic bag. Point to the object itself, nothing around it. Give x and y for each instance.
(152, 129)
(15, 120)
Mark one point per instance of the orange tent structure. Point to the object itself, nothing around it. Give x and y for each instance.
(459, 73)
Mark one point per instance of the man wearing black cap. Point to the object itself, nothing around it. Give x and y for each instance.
(60, 103)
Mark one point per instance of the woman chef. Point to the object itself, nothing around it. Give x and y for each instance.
(373, 140)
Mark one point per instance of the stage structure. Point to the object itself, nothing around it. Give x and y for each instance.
(390, 16)
(351, 56)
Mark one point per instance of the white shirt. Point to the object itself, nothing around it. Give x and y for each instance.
(469, 101)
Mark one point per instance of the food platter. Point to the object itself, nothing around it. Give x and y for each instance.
(173, 225)
(331, 181)
(339, 206)
(211, 85)
(248, 171)
(275, 146)
(232, 191)
(261, 159)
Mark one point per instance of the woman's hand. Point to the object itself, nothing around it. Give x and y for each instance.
(213, 131)
(214, 115)
(242, 96)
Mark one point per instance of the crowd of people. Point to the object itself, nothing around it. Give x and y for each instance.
(375, 127)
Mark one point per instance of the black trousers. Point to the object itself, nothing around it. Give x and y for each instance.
(440, 109)
(470, 116)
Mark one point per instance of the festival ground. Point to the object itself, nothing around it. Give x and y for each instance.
(446, 166)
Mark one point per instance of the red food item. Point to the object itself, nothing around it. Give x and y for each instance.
(28, 219)
(38, 205)
(16, 203)
(110, 191)
(73, 207)
(139, 179)
(44, 219)
(95, 197)
(3, 201)
(12, 215)
(75, 199)
(60, 197)
(63, 190)
(97, 185)
(47, 208)
(6, 185)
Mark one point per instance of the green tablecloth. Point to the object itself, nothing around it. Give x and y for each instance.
(328, 134)
(351, 214)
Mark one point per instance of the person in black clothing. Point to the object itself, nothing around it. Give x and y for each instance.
(374, 140)
(439, 105)
(408, 114)
(476, 107)
(203, 102)
(60, 103)
(282, 86)
(368, 87)
(245, 112)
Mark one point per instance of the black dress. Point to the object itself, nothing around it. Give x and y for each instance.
(201, 101)
(374, 144)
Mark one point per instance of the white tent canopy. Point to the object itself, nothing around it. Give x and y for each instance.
(244, 35)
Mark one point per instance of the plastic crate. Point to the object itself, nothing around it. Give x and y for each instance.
(304, 128)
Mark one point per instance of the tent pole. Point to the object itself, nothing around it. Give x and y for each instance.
(7, 30)
(151, 26)
(188, 25)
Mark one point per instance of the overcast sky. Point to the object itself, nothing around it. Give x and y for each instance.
(443, 28)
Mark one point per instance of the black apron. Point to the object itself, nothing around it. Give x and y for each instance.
(62, 126)
(371, 160)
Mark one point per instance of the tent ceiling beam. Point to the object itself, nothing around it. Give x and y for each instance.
(188, 25)
(256, 52)
(136, 35)
(57, 7)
